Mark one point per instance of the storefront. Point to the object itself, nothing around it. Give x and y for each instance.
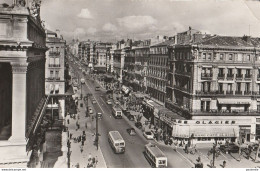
(221, 128)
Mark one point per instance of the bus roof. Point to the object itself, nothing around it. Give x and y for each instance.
(115, 135)
(155, 150)
(116, 108)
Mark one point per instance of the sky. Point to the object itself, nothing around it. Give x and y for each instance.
(112, 20)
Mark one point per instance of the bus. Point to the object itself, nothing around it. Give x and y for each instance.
(97, 88)
(117, 112)
(155, 156)
(116, 141)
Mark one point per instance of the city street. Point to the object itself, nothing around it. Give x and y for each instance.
(133, 157)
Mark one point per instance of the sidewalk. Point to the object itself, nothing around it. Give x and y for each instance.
(89, 149)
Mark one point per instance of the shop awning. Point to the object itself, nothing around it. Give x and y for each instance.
(233, 101)
(205, 131)
(57, 87)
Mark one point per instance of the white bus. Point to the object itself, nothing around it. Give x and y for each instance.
(116, 141)
(155, 156)
(117, 112)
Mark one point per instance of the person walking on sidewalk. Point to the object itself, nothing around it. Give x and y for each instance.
(96, 161)
(81, 148)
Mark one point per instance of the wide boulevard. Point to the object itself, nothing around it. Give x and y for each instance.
(133, 156)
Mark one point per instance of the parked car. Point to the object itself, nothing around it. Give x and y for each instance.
(117, 102)
(90, 110)
(130, 117)
(148, 135)
(94, 100)
(230, 148)
(109, 102)
(131, 131)
(99, 115)
(138, 125)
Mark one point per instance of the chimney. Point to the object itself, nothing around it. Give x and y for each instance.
(246, 38)
(58, 33)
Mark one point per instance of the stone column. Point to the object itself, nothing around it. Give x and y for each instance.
(19, 101)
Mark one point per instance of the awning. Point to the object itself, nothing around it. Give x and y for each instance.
(56, 87)
(51, 87)
(234, 101)
(205, 131)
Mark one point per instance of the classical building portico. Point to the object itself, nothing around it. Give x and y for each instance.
(22, 89)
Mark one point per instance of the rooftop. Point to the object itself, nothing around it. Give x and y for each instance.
(165, 43)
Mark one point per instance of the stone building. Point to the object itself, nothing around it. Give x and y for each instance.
(215, 83)
(54, 73)
(158, 69)
(22, 91)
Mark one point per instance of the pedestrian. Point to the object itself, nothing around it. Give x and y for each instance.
(86, 124)
(81, 148)
(68, 121)
(70, 135)
(82, 143)
(96, 160)
(93, 161)
(224, 164)
(89, 157)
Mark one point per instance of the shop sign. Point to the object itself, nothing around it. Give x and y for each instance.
(215, 122)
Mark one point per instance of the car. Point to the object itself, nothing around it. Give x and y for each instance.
(230, 148)
(94, 101)
(117, 102)
(148, 135)
(109, 102)
(97, 88)
(138, 125)
(131, 131)
(99, 115)
(90, 110)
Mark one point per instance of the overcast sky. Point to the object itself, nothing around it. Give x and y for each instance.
(112, 20)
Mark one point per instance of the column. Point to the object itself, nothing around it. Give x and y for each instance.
(19, 101)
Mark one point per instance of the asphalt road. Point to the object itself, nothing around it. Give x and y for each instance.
(133, 156)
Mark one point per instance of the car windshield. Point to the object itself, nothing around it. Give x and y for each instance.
(148, 133)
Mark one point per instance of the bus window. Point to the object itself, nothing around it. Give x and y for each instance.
(116, 144)
(122, 144)
(161, 161)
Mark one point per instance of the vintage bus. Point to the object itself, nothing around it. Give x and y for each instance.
(116, 141)
(155, 156)
(117, 112)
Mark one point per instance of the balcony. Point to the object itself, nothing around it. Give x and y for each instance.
(53, 78)
(229, 92)
(225, 112)
(198, 92)
(181, 88)
(239, 77)
(248, 93)
(230, 76)
(54, 53)
(248, 77)
(183, 73)
(206, 76)
(54, 65)
(258, 77)
(221, 76)
(238, 92)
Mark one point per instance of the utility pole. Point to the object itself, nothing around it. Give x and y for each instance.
(97, 130)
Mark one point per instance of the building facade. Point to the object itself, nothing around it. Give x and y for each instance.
(158, 69)
(22, 65)
(54, 73)
(215, 83)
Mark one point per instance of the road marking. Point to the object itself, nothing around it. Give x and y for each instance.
(191, 163)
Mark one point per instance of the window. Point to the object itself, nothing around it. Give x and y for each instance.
(209, 56)
(229, 72)
(220, 87)
(221, 57)
(230, 57)
(248, 57)
(51, 73)
(204, 56)
(57, 74)
(239, 72)
(229, 87)
(239, 57)
(247, 88)
(238, 87)
(202, 106)
(221, 71)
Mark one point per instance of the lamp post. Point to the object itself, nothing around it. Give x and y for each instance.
(69, 152)
(97, 130)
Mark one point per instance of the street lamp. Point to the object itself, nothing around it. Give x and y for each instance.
(69, 152)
